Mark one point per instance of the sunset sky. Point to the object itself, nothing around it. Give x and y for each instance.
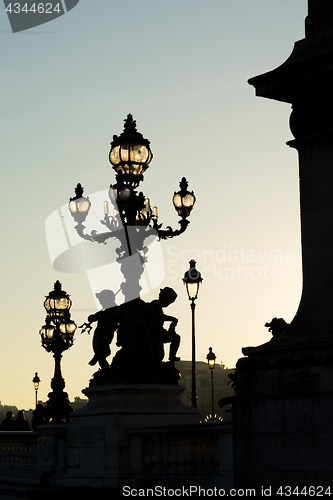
(181, 68)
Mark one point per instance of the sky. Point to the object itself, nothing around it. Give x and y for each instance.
(181, 68)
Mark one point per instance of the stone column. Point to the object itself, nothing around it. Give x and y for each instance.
(305, 80)
(284, 388)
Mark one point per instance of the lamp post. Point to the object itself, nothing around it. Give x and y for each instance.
(192, 280)
(36, 381)
(211, 363)
(130, 221)
(57, 336)
(130, 156)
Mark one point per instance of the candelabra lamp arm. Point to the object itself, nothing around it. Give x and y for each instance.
(183, 201)
(94, 236)
(86, 327)
(164, 234)
(79, 228)
(150, 231)
(111, 222)
(79, 207)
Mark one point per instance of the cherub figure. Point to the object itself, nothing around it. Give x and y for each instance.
(159, 334)
(107, 323)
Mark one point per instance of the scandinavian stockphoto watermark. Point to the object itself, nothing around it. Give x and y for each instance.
(69, 253)
(227, 263)
(26, 14)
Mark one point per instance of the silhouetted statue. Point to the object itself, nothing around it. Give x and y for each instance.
(159, 334)
(140, 334)
(133, 331)
(107, 323)
(276, 326)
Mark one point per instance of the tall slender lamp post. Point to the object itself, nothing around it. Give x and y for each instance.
(211, 363)
(36, 381)
(192, 280)
(57, 336)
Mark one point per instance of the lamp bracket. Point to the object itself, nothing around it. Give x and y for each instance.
(164, 234)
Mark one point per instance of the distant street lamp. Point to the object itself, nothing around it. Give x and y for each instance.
(57, 336)
(211, 363)
(192, 280)
(36, 381)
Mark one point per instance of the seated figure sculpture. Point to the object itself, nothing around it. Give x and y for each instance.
(159, 335)
(140, 334)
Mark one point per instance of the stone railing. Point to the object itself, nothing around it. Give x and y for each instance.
(170, 455)
(18, 447)
(191, 451)
(32, 460)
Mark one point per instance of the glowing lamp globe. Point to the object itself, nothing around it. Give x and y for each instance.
(79, 206)
(57, 303)
(211, 358)
(192, 279)
(183, 200)
(130, 153)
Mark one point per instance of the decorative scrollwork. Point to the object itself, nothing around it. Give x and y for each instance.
(164, 234)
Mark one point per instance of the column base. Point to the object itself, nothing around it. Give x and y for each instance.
(282, 419)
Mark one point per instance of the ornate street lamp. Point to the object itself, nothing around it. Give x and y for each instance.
(211, 363)
(192, 280)
(36, 381)
(130, 157)
(79, 206)
(131, 221)
(57, 335)
(183, 200)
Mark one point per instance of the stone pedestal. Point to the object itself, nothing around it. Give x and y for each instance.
(283, 419)
(98, 445)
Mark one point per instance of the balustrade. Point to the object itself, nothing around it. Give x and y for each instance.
(176, 450)
(19, 447)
